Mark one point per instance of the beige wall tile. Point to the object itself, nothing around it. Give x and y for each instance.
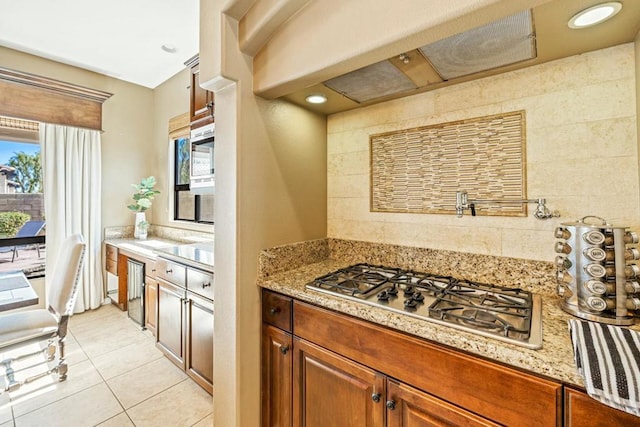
(348, 185)
(582, 144)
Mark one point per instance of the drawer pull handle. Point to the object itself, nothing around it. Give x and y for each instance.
(206, 285)
(375, 397)
(284, 349)
(391, 404)
(169, 271)
(274, 310)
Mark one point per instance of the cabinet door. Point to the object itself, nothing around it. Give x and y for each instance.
(332, 391)
(409, 407)
(151, 304)
(199, 360)
(277, 370)
(122, 281)
(583, 411)
(201, 108)
(170, 334)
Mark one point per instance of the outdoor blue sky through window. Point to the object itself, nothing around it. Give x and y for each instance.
(9, 148)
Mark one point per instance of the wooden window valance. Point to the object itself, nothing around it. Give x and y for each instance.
(31, 97)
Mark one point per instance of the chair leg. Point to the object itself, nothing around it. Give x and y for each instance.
(12, 385)
(13, 257)
(62, 363)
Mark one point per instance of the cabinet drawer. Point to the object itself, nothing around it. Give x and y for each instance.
(171, 272)
(200, 282)
(112, 267)
(111, 253)
(150, 268)
(276, 310)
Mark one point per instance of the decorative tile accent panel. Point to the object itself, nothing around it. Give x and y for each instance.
(419, 170)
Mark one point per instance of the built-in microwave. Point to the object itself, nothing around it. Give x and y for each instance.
(202, 179)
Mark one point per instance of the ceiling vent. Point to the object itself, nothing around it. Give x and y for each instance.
(503, 42)
(373, 81)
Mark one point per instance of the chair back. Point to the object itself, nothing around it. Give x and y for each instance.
(63, 286)
(30, 229)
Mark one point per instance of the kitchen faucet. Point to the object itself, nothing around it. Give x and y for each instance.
(463, 202)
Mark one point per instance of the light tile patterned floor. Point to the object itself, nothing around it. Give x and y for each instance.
(116, 378)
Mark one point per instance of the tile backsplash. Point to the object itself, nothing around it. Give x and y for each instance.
(581, 133)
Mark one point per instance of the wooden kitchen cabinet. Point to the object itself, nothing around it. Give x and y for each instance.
(277, 382)
(185, 319)
(340, 363)
(330, 390)
(151, 304)
(170, 327)
(199, 340)
(580, 410)
(123, 275)
(201, 105)
(410, 407)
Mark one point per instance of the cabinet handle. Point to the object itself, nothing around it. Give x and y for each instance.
(375, 397)
(274, 310)
(391, 404)
(169, 271)
(284, 349)
(210, 104)
(206, 285)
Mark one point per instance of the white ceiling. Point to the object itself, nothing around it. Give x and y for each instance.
(119, 38)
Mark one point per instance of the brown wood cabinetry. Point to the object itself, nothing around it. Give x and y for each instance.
(330, 390)
(277, 371)
(151, 304)
(199, 340)
(418, 383)
(170, 325)
(201, 105)
(410, 407)
(582, 411)
(185, 319)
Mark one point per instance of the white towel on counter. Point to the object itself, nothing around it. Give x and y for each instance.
(608, 358)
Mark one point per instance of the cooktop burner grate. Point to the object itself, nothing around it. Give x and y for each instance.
(509, 314)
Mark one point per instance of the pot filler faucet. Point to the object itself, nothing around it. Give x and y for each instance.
(463, 202)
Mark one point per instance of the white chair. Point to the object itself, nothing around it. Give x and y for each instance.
(34, 326)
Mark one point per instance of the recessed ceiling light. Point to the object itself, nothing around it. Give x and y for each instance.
(316, 98)
(595, 14)
(169, 48)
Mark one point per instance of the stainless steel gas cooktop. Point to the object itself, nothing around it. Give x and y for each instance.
(507, 314)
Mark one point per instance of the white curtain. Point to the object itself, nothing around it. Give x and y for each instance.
(71, 170)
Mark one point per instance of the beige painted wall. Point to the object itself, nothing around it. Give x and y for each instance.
(271, 189)
(170, 99)
(127, 140)
(582, 155)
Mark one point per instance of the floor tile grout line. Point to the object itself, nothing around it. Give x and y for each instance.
(201, 419)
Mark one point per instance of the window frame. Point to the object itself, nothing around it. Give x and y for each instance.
(179, 188)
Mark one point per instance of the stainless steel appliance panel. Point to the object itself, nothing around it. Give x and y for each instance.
(135, 291)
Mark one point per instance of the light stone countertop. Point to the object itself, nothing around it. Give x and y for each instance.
(554, 359)
(199, 255)
(143, 247)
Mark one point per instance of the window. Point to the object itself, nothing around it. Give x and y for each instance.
(22, 224)
(187, 205)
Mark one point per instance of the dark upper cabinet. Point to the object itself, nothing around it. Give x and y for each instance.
(201, 101)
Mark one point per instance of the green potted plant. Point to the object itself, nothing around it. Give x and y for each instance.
(142, 198)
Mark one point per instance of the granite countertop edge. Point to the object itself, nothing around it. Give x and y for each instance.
(554, 360)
